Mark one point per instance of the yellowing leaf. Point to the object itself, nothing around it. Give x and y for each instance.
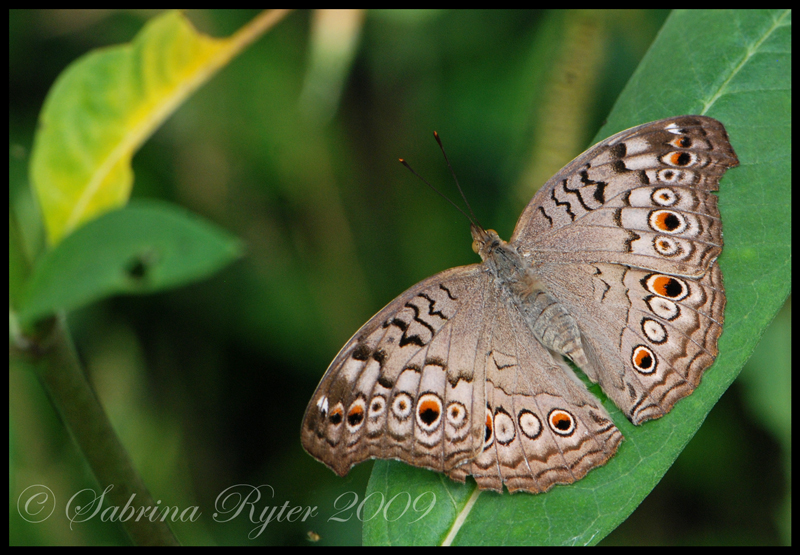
(107, 103)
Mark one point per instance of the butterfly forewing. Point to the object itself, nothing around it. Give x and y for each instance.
(639, 198)
(404, 386)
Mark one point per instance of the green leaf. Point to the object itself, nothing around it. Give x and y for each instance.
(731, 65)
(106, 104)
(145, 247)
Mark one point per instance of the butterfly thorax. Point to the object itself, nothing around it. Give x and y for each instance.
(517, 281)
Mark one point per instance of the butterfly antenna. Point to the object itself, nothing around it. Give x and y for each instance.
(473, 219)
(438, 192)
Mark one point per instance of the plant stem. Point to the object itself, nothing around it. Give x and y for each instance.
(62, 376)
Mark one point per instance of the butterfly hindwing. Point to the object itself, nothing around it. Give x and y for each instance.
(543, 427)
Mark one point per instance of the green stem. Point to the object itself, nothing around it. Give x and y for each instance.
(60, 372)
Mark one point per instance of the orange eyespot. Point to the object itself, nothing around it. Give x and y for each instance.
(644, 360)
(562, 422)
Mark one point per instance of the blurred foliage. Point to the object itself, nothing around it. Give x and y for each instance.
(207, 385)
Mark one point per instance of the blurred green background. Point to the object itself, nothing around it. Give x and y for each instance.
(294, 149)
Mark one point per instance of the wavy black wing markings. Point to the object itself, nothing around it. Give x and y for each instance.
(337, 396)
(462, 303)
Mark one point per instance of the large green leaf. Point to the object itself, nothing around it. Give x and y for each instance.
(145, 247)
(731, 65)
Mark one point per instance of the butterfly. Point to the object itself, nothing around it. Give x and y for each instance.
(612, 265)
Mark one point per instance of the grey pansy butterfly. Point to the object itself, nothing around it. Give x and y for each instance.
(612, 264)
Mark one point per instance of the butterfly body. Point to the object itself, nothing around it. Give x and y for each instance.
(612, 265)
